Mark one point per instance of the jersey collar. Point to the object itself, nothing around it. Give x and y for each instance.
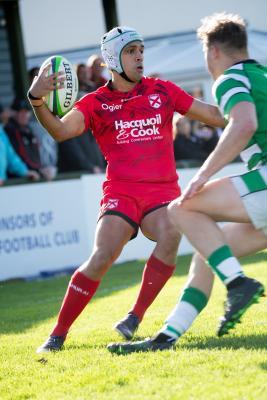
(247, 61)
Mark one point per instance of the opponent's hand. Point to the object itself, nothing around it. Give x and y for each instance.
(194, 186)
(44, 83)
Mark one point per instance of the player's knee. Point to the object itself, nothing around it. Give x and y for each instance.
(100, 261)
(169, 236)
(174, 210)
(104, 256)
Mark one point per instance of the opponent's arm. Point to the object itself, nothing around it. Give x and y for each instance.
(206, 113)
(71, 125)
(241, 127)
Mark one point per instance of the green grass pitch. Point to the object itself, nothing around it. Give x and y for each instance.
(202, 366)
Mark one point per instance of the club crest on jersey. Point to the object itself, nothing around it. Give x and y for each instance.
(154, 100)
(112, 203)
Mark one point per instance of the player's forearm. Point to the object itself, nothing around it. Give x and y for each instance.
(233, 140)
(213, 117)
(206, 113)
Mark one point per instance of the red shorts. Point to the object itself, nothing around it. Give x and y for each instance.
(133, 201)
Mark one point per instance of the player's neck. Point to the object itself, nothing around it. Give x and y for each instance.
(120, 84)
(228, 61)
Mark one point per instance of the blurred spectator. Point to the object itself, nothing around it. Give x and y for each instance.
(22, 137)
(80, 154)
(155, 75)
(95, 66)
(5, 114)
(47, 145)
(85, 84)
(10, 162)
(197, 92)
(187, 146)
(208, 136)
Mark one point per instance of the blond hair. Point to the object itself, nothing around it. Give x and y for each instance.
(227, 30)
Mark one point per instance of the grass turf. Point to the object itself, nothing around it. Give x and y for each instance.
(201, 367)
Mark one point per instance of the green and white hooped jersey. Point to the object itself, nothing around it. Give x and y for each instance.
(246, 81)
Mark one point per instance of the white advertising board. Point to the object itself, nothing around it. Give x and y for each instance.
(50, 226)
(41, 228)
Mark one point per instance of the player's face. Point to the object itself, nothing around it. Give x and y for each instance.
(132, 59)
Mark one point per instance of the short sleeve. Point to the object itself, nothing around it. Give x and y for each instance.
(231, 89)
(84, 105)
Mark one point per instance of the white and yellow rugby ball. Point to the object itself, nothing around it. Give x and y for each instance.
(60, 101)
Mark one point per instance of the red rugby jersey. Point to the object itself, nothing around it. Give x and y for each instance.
(134, 129)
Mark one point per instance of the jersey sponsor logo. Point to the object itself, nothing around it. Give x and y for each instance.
(112, 107)
(138, 127)
(154, 100)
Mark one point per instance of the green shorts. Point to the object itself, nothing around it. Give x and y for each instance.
(252, 188)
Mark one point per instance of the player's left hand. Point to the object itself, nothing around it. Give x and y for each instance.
(194, 186)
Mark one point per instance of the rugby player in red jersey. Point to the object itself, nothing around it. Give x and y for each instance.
(131, 119)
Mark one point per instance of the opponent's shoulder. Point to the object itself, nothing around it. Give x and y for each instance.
(235, 75)
(234, 78)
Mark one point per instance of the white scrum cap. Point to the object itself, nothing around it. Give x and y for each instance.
(112, 44)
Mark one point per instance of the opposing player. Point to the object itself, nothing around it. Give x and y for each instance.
(240, 89)
(131, 118)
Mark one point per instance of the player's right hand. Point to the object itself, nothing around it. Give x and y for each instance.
(193, 187)
(44, 83)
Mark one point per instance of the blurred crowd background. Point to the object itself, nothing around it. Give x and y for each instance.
(28, 151)
(172, 52)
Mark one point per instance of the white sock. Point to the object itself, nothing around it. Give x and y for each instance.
(191, 303)
(180, 320)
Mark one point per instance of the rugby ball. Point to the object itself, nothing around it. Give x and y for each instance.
(60, 101)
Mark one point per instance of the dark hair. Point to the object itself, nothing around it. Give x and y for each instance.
(20, 104)
(32, 73)
(228, 30)
(79, 66)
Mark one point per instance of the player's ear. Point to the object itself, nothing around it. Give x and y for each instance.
(214, 51)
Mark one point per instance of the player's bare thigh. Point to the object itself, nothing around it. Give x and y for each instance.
(158, 227)
(219, 199)
(244, 239)
(112, 233)
(157, 224)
